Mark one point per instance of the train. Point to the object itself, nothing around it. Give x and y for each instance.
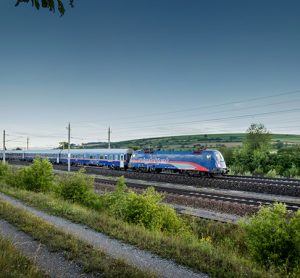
(203, 162)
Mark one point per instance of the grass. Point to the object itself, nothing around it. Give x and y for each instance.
(14, 264)
(92, 260)
(217, 260)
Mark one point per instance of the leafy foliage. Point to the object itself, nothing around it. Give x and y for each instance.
(255, 156)
(257, 138)
(144, 209)
(273, 238)
(49, 4)
(76, 187)
(38, 177)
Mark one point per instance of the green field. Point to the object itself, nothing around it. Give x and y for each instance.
(186, 142)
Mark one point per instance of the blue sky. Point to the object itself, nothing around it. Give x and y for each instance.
(148, 68)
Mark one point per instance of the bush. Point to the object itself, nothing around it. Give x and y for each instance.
(292, 172)
(142, 209)
(38, 177)
(272, 239)
(272, 173)
(76, 187)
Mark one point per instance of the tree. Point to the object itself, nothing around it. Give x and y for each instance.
(63, 145)
(257, 138)
(48, 4)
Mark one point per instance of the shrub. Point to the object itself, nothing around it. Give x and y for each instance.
(38, 177)
(116, 201)
(271, 173)
(258, 171)
(142, 209)
(76, 187)
(273, 239)
(294, 226)
(292, 172)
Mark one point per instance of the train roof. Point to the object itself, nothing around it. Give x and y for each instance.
(176, 152)
(104, 151)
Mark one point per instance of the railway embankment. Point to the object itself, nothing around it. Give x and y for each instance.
(125, 255)
(202, 253)
(206, 202)
(141, 221)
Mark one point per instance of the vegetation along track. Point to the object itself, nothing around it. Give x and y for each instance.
(214, 196)
(286, 187)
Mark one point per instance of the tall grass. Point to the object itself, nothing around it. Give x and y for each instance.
(14, 264)
(92, 260)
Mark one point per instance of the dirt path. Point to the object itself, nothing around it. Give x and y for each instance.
(141, 259)
(53, 264)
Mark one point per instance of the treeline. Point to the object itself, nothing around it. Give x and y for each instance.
(257, 157)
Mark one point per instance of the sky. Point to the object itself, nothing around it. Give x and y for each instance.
(148, 68)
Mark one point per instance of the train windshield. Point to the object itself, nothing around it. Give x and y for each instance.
(219, 157)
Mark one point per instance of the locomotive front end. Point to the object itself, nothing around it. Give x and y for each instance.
(220, 164)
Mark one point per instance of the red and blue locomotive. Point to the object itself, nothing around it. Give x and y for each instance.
(204, 161)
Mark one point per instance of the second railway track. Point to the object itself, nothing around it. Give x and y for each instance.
(214, 196)
(285, 187)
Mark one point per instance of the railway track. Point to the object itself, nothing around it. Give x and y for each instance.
(217, 196)
(285, 187)
(193, 193)
(263, 180)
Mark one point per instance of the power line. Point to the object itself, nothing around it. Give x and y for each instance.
(207, 106)
(218, 119)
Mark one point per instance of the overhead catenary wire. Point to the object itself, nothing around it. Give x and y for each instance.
(134, 131)
(209, 106)
(199, 113)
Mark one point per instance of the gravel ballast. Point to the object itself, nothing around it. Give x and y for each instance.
(53, 264)
(141, 259)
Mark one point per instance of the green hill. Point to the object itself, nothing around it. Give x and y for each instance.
(186, 142)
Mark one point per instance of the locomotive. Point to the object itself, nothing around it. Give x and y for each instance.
(205, 162)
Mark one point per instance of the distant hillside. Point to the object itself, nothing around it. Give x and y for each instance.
(186, 142)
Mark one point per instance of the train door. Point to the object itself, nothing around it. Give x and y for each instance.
(122, 161)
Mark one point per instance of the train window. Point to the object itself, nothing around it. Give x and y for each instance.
(116, 157)
(111, 157)
(122, 157)
(91, 157)
(101, 156)
(220, 156)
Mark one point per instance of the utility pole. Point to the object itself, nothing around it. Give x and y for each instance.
(3, 161)
(27, 143)
(69, 155)
(109, 132)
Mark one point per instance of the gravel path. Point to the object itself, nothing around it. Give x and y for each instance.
(53, 264)
(141, 259)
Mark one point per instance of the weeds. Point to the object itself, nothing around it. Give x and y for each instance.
(14, 264)
(92, 260)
